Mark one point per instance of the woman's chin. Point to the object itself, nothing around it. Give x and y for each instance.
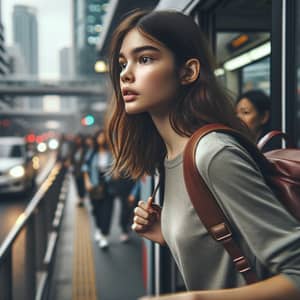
(133, 110)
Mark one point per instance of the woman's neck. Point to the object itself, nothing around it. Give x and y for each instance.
(174, 142)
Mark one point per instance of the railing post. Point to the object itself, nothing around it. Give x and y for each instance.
(30, 263)
(41, 235)
(6, 277)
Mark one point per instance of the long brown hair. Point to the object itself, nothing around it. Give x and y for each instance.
(136, 144)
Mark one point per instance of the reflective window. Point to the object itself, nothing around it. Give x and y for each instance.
(257, 76)
(11, 151)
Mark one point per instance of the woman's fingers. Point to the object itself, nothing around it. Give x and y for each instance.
(141, 212)
(141, 217)
(144, 215)
(149, 202)
(136, 227)
(142, 204)
(140, 221)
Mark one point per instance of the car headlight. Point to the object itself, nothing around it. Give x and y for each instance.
(17, 171)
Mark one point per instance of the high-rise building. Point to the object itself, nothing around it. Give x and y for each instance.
(88, 16)
(3, 55)
(25, 32)
(17, 65)
(66, 63)
(66, 66)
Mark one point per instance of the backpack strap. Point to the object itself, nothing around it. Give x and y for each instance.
(270, 135)
(206, 206)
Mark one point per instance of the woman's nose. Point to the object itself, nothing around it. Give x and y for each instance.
(127, 75)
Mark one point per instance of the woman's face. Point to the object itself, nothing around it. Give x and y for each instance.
(78, 140)
(247, 112)
(101, 139)
(148, 79)
(89, 142)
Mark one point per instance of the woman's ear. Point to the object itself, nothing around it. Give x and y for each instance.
(190, 71)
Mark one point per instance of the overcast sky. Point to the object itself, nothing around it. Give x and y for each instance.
(54, 27)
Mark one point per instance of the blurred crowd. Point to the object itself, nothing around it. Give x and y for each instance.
(89, 159)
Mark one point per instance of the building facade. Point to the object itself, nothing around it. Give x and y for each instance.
(25, 34)
(66, 65)
(88, 17)
(3, 55)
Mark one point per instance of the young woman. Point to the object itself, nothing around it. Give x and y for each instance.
(164, 90)
(95, 175)
(253, 107)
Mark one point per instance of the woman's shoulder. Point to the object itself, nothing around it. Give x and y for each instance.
(217, 144)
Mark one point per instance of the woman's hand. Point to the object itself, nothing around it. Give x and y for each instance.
(88, 186)
(87, 182)
(131, 200)
(146, 221)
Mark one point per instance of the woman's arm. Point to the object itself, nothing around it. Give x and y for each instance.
(87, 182)
(275, 288)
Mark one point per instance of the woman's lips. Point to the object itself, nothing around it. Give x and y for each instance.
(129, 97)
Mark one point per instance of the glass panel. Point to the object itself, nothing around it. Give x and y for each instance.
(11, 151)
(238, 68)
(257, 76)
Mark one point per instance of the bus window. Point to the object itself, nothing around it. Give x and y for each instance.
(257, 76)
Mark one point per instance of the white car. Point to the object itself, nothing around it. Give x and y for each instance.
(16, 167)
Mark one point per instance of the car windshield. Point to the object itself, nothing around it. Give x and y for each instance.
(11, 151)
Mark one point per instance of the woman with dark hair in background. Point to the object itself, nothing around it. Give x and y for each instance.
(97, 183)
(164, 90)
(253, 108)
(89, 146)
(77, 159)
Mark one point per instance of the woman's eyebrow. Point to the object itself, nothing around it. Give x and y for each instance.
(141, 49)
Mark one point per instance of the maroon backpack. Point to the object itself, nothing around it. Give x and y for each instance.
(281, 169)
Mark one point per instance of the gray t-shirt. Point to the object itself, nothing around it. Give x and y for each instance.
(267, 233)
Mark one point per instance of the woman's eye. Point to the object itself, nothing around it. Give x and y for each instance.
(145, 59)
(122, 65)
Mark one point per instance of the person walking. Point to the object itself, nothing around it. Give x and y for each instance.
(97, 183)
(77, 160)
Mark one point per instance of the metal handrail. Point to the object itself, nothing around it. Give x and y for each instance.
(37, 224)
(24, 217)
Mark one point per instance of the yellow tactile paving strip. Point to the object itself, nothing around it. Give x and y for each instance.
(83, 281)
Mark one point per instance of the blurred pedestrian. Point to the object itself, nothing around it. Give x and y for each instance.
(77, 160)
(97, 182)
(64, 151)
(122, 188)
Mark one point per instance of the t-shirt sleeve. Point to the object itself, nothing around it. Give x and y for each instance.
(270, 232)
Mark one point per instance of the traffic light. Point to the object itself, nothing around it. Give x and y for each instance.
(88, 120)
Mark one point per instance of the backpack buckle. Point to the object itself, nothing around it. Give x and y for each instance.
(242, 264)
(220, 232)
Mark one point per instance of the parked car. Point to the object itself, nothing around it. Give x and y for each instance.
(17, 173)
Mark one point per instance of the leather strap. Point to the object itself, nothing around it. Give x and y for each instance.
(206, 206)
(270, 135)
